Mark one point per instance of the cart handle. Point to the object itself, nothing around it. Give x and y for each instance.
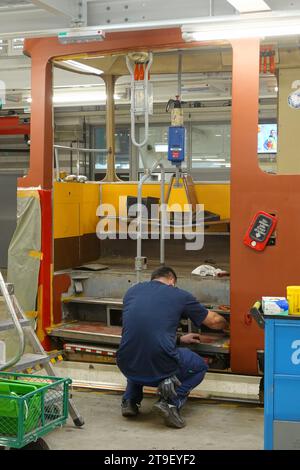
(257, 314)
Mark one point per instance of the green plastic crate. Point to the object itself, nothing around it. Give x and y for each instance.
(30, 407)
(11, 407)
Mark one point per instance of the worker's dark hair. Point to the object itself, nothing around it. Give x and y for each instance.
(163, 271)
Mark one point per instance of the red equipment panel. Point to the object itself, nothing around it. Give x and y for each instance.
(260, 230)
(11, 125)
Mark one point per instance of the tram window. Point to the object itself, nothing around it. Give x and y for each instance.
(210, 146)
(122, 148)
(279, 107)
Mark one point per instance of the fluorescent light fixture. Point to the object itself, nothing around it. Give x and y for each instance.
(251, 25)
(161, 148)
(246, 6)
(79, 35)
(86, 97)
(195, 88)
(215, 159)
(83, 68)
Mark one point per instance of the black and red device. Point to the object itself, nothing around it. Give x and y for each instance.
(260, 230)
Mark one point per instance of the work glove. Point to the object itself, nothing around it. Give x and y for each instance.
(167, 388)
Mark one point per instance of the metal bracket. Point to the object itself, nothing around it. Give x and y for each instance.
(140, 263)
(10, 288)
(78, 283)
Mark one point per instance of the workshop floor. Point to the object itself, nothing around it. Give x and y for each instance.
(210, 425)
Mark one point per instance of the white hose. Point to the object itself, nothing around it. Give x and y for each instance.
(146, 104)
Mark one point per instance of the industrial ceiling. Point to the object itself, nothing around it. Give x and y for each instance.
(26, 16)
(19, 18)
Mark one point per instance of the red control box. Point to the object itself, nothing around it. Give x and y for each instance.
(260, 230)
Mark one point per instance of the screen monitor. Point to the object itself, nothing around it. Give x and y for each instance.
(267, 138)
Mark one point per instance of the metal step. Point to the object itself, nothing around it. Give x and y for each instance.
(9, 325)
(93, 300)
(119, 303)
(90, 332)
(29, 360)
(90, 348)
(90, 352)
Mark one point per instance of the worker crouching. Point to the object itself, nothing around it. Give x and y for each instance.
(148, 354)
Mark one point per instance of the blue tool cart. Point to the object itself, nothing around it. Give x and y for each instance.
(281, 379)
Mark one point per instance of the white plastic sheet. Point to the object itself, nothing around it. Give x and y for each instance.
(24, 251)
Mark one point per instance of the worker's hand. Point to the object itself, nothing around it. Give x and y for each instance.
(191, 338)
(167, 388)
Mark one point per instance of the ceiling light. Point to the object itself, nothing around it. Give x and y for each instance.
(215, 159)
(79, 35)
(246, 6)
(161, 148)
(83, 68)
(86, 97)
(251, 25)
(94, 96)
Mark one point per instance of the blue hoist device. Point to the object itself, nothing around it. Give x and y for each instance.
(176, 134)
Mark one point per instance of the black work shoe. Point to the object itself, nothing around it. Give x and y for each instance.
(162, 408)
(170, 413)
(129, 408)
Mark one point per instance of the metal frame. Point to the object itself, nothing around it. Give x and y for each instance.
(12, 311)
(251, 189)
(77, 150)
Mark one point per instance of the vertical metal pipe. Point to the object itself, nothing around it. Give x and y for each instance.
(162, 214)
(139, 212)
(179, 73)
(139, 231)
(147, 174)
(78, 160)
(56, 163)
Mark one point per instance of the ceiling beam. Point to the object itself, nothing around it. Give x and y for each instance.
(74, 10)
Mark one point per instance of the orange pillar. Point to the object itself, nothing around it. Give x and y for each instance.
(40, 175)
(41, 144)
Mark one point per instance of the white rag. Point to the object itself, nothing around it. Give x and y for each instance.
(207, 270)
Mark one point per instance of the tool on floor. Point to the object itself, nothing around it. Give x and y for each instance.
(26, 361)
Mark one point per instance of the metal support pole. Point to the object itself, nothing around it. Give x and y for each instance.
(56, 163)
(138, 259)
(162, 214)
(179, 73)
(78, 160)
(177, 173)
(110, 81)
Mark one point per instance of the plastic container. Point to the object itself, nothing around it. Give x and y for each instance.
(275, 306)
(30, 407)
(10, 407)
(293, 296)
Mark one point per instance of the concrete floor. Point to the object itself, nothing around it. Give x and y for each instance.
(210, 425)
